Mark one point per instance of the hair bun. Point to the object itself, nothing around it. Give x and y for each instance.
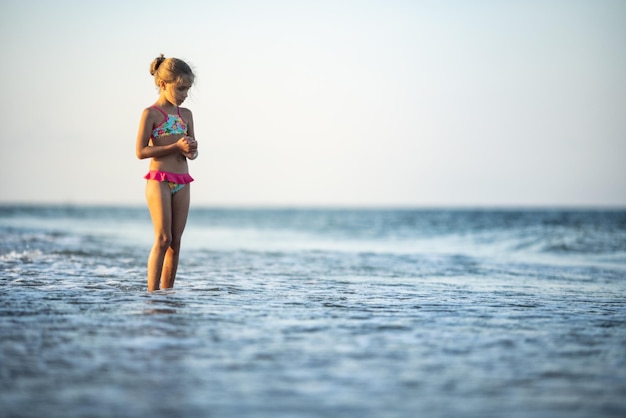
(156, 63)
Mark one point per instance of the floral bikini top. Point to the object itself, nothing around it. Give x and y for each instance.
(171, 125)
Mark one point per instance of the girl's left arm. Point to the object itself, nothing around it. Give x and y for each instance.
(190, 132)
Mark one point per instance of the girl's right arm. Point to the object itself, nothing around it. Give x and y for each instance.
(144, 150)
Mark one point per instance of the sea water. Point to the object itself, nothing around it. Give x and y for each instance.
(315, 313)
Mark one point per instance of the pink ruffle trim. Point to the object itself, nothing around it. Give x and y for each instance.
(167, 176)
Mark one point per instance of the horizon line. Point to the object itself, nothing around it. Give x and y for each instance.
(328, 206)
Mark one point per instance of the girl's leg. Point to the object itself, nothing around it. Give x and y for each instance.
(180, 210)
(159, 199)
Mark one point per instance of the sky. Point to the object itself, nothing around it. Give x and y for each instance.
(322, 103)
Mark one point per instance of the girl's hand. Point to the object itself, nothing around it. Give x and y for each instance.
(191, 156)
(192, 146)
(187, 145)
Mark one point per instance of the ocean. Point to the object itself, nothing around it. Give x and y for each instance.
(315, 313)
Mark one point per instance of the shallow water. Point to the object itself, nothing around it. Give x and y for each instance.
(315, 313)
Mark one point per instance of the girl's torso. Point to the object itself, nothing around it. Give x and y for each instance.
(171, 128)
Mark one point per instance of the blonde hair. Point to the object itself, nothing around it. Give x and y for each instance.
(170, 70)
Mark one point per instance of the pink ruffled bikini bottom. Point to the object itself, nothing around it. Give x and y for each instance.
(175, 181)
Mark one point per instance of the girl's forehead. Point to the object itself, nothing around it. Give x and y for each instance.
(185, 82)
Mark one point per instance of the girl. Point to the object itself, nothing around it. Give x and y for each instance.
(166, 136)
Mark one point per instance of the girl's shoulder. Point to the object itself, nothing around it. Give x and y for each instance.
(185, 113)
(151, 116)
(151, 112)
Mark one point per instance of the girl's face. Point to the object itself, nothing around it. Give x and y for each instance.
(176, 92)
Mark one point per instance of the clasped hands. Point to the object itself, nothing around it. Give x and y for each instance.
(188, 147)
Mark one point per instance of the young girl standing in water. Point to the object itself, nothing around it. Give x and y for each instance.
(166, 136)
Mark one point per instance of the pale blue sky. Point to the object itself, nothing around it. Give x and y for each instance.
(340, 103)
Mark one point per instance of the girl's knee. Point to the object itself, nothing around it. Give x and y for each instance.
(163, 241)
(175, 244)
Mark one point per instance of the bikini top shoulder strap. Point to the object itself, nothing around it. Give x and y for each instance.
(181, 116)
(159, 109)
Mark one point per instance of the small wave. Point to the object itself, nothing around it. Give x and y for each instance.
(26, 256)
(77, 253)
(574, 245)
